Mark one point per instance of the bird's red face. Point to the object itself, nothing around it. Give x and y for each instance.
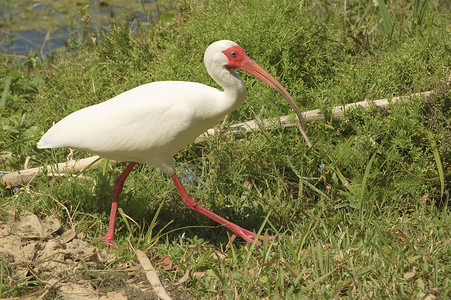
(235, 55)
(238, 59)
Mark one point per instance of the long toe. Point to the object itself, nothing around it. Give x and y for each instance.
(109, 241)
(249, 236)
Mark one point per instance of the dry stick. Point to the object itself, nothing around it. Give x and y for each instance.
(152, 276)
(72, 166)
(338, 112)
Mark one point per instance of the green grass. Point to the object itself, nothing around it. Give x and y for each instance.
(374, 188)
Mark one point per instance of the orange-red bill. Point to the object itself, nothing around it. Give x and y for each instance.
(254, 69)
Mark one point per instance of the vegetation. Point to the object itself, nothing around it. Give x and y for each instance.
(363, 214)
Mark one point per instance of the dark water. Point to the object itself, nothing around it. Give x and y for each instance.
(40, 28)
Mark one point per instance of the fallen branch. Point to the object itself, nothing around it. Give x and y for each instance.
(72, 166)
(338, 112)
(152, 276)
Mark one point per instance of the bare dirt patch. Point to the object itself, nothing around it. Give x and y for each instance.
(64, 265)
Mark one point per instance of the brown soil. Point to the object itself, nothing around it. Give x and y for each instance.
(64, 265)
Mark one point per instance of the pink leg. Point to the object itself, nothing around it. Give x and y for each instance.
(237, 230)
(109, 237)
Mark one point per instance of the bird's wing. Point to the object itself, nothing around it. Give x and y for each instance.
(155, 117)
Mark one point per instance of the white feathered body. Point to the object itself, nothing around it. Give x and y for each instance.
(147, 124)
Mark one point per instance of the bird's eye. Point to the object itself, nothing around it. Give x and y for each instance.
(233, 53)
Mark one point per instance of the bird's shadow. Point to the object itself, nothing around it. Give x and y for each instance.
(141, 202)
(184, 222)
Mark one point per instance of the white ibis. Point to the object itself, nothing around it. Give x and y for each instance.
(152, 122)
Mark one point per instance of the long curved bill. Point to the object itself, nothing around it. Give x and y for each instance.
(254, 69)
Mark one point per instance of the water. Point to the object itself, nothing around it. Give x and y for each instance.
(42, 27)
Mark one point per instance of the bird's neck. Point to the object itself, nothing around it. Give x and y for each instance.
(234, 89)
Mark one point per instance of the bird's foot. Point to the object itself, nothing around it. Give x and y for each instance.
(109, 241)
(250, 237)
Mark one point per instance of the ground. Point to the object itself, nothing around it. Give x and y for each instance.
(69, 265)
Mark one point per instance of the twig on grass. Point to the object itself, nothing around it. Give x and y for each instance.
(72, 166)
(152, 276)
(338, 112)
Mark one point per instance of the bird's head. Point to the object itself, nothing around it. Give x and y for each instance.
(228, 55)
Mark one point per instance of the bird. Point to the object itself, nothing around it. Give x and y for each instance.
(150, 123)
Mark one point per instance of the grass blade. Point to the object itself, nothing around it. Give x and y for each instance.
(364, 184)
(420, 11)
(343, 180)
(365, 177)
(314, 283)
(438, 161)
(251, 249)
(5, 91)
(148, 236)
(387, 22)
